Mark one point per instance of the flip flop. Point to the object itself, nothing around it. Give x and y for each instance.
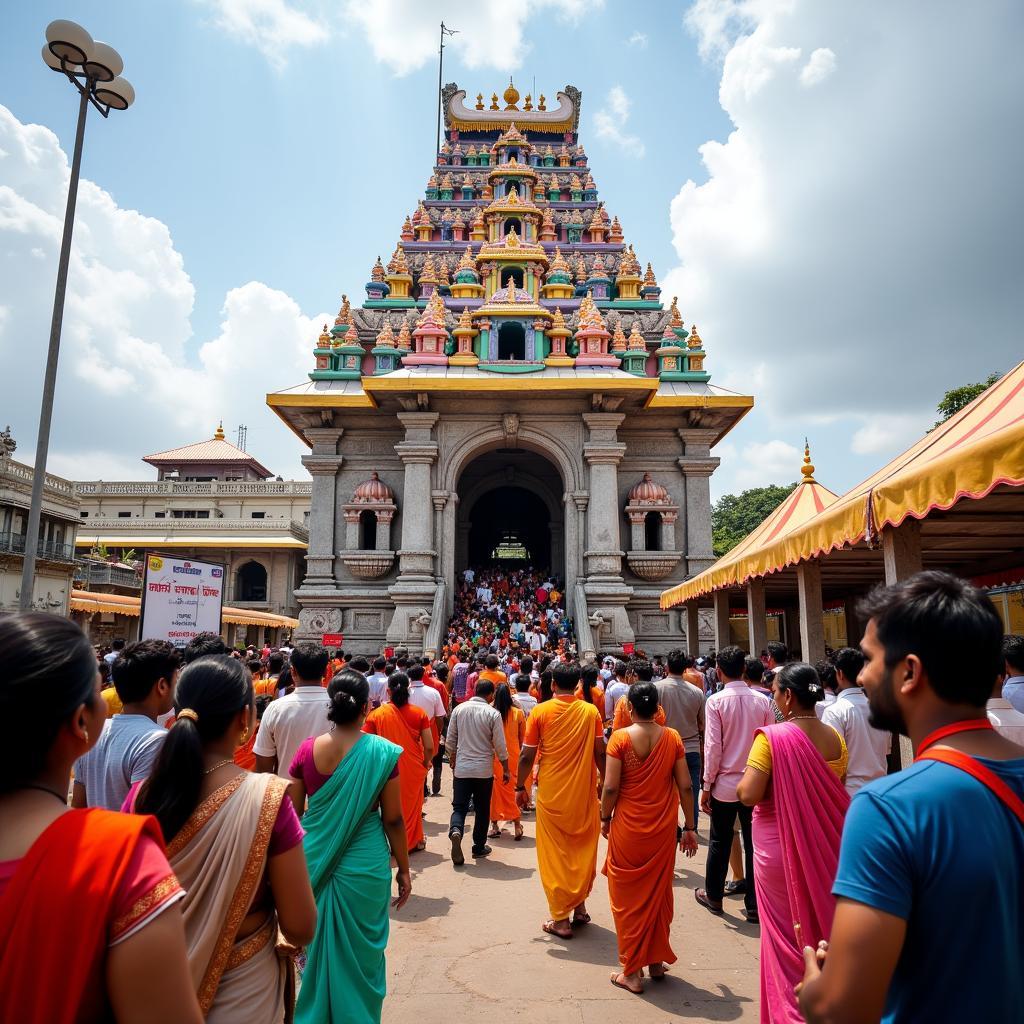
(519, 834)
(580, 919)
(549, 927)
(494, 834)
(619, 984)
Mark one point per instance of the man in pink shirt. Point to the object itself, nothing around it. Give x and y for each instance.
(731, 716)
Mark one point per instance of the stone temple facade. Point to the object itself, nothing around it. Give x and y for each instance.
(512, 383)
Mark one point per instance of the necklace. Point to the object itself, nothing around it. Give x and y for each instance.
(793, 718)
(45, 789)
(219, 764)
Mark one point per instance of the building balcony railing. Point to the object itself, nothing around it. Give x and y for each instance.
(171, 488)
(112, 528)
(97, 574)
(19, 471)
(14, 544)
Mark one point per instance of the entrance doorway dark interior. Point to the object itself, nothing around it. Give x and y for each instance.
(510, 527)
(511, 341)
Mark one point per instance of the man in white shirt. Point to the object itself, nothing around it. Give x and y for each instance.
(615, 690)
(522, 695)
(291, 719)
(1013, 684)
(468, 575)
(1009, 722)
(114, 654)
(535, 639)
(848, 715)
(378, 681)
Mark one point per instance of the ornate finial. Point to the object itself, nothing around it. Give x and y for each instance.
(386, 338)
(676, 319)
(636, 339)
(218, 434)
(541, 103)
(442, 272)
(465, 324)
(650, 281)
(404, 341)
(479, 101)
(466, 263)
(377, 273)
(528, 105)
(619, 342)
(428, 275)
(351, 335)
(694, 340)
(494, 101)
(511, 96)
(807, 469)
(345, 313)
(7, 443)
(558, 320)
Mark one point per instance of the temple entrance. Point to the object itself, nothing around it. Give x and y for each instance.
(511, 341)
(509, 528)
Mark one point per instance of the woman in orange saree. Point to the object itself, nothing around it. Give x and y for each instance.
(503, 795)
(646, 780)
(408, 726)
(90, 925)
(235, 843)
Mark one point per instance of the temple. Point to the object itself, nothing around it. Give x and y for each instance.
(512, 380)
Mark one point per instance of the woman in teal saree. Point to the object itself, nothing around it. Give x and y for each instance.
(353, 826)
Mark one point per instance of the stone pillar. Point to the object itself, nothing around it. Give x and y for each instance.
(757, 617)
(901, 551)
(413, 592)
(383, 536)
(668, 530)
(606, 591)
(261, 638)
(697, 465)
(637, 535)
(230, 638)
(351, 530)
(323, 463)
(439, 499)
(721, 601)
(854, 629)
(692, 629)
(812, 627)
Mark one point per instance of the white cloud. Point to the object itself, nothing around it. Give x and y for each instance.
(610, 123)
(638, 39)
(127, 384)
(854, 249)
(819, 66)
(274, 27)
(404, 34)
(764, 462)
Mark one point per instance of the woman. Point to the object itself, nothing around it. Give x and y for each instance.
(503, 795)
(589, 689)
(354, 825)
(236, 846)
(794, 782)
(90, 916)
(646, 779)
(408, 726)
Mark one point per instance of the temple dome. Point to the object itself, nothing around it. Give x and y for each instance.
(647, 491)
(373, 490)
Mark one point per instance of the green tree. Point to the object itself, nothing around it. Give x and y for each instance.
(957, 398)
(733, 516)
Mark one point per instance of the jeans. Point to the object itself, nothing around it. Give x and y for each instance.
(723, 822)
(480, 791)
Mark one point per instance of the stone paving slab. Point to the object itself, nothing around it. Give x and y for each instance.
(468, 945)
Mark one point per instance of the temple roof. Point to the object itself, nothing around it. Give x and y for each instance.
(214, 451)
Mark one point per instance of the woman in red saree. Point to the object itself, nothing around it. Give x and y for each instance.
(794, 781)
(90, 921)
(408, 726)
(646, 781)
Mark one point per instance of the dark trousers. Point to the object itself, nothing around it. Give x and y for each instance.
(723, 822)
(435, 782)
(693, 763)
(480, 792)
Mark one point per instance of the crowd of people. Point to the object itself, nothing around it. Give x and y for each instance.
(241, 823)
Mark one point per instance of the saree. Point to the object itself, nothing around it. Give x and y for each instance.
(404, 726)
(503, 795)
(55, 916)
(797, 829)
(220, 858)
(568, 814)
(640, 863)
(349, 865)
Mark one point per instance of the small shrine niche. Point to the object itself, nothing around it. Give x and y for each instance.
(652, 520)
(368, 518)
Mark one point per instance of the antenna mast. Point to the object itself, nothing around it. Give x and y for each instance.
(445, 31)
(243, 430)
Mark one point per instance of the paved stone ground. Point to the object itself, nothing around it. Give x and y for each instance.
(468, 945)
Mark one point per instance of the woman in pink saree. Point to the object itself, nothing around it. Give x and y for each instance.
(794, 781)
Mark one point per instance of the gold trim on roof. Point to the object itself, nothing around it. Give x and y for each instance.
(498, 125)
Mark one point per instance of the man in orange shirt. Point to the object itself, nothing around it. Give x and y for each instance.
(492, 672)
(569, 735)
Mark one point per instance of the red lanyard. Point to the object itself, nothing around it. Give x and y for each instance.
(968, 725)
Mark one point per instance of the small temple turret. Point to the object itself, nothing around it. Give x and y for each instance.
(464, 334)
(559, 280)
(430, 336)
(627, 281)
(377, 288)
(558, 335)
(649, 290)
(634, 360)
(385, 351)
(398, 278)
(466, 284)
(592, 337)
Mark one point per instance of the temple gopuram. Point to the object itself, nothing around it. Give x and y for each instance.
(512, 385)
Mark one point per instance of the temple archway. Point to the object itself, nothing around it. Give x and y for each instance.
(511, 341)
(513, 224)
(251, 582)
(512, 275)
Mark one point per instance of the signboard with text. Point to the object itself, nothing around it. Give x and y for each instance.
(180, 598)
(332, 640)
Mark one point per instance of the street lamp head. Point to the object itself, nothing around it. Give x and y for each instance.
(118, 94)
(68, 41)
(104, 63)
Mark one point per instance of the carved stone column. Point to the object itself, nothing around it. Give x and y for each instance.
(606, 591)
(323, 463)
(697, 465)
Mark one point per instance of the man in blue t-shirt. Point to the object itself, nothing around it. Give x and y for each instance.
(929, 923)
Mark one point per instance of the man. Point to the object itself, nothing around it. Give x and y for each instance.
(616, 689)
(458, 691)
(378, 681)
(115, 653)
(569, 735)
(1013, 658)
(492, 670)
(293, 718)
(202, 645)
(144, 675)
(1008, 721)
(693, 676)
(428, 698)
(275, 666)
(639, 670)
(731, 716)
(930, 893)
(683, 704)
(476, 736)
(526, 701)
(849, 715)
(607, 672)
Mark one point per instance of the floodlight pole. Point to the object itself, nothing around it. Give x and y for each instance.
(445, 31)
(50, 377)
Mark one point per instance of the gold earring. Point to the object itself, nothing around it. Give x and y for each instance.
(86, 731)
(245, 735)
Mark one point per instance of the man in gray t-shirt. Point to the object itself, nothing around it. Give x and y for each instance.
(144, 677)
(683, 704)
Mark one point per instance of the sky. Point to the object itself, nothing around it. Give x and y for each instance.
(832, 190)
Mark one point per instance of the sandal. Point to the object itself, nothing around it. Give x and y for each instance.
(549, 927)
(419, 846)
(615, 980)
(580, 919)
(495, 833)
(519, 832)
(660, 976)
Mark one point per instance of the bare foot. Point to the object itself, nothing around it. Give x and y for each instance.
(630, 982)
(562, 929)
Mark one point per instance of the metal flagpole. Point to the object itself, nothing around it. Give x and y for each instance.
(445, 31)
